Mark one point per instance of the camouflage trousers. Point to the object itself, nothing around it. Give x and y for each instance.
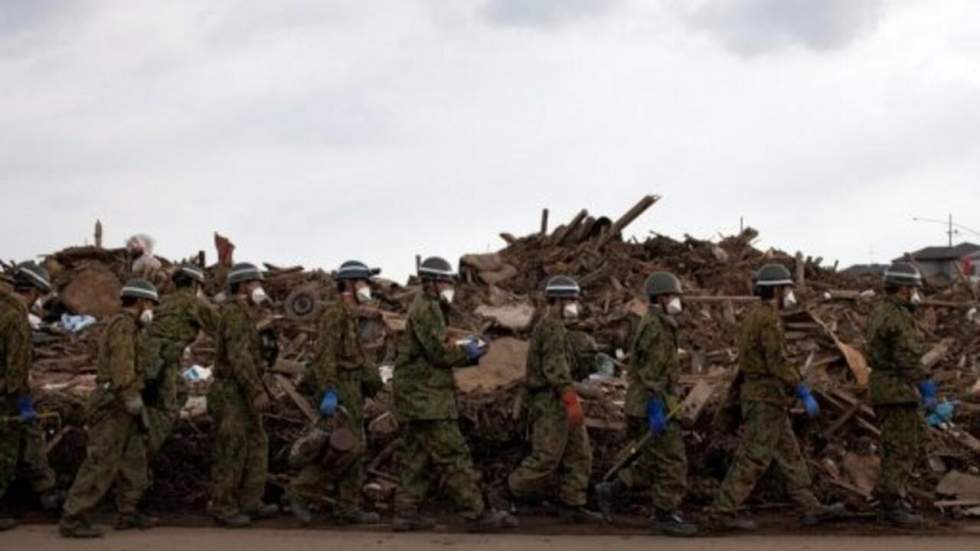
(22, 455)
(241, 452)
(556, 450)
(312, 480)
(661, 465)
(436, 449)
(767, 438)
(902, 434)
(162, 408)
(115, 454)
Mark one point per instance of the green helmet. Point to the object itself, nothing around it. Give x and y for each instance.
(436, 268)
(243, 273)
(562, 287)
(774, 275)
(31, 274)
(663, 283)
(903, 274)
(353, 269)
(192, 271)
(139, 288)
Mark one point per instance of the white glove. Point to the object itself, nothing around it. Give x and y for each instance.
(134, 405)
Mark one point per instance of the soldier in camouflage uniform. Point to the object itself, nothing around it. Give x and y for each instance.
(559, 440)
(895, 350)
(425, 403)
(341, 376)
(236, 400)
(654, 372)
(116, 421)
(767, 391)
(181, 315)
(21, 442)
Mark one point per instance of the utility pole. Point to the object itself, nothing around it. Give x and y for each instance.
(952, 227)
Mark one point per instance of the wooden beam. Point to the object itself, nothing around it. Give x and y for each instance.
(627, 219)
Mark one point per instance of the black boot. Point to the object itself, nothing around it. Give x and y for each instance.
(52, 500)
(410, 522)
(238, 520)
(78, 526)
(301, 510)
(900, 516)
(733, 523)
(823, 513)
(672, 524)
(7, 523)
(135, 520)
(490, 521)
(607, 494)
(262, 511)
(357, 517)
(579, 515)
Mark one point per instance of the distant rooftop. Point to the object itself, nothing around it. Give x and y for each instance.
(865, 269)
(944, 253)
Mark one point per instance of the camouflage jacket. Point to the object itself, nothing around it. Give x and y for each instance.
(118, 374)
(550, 357)
(340, 359)
(423, 383)
(895, 351)
(769, 377)
(654, 367)
(179, 318)
(238, 356)
(15, 348)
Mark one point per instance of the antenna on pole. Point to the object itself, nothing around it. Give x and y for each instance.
(952, 227)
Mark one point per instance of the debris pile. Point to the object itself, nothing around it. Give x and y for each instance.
(498, 298)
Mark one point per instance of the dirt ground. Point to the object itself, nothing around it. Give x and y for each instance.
(964, 537)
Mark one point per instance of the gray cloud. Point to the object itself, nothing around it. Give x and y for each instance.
(754, 27)
(544, 13)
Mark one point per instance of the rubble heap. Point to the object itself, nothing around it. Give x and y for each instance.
(499, 296)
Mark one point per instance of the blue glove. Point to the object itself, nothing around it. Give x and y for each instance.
(474, 350)
(25, 409)
(328, 405)
(657, 415)
(930, 393)
(809, 402)
(942, 413)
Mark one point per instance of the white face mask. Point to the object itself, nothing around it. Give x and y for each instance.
(146, 318)
(447, 295)
(675, 306)
(789, 299)
(570, 311)
(916, 298)
(364, 294)
(259, 296)
(34, 321)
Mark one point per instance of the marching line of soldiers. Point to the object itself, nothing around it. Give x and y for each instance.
(134, 406)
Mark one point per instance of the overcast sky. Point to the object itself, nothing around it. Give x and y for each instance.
(311, 131)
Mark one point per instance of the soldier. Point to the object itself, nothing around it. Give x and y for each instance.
(344, 378)
(559, 440)
(236, 400)
(116, 421)
(181, 315)
(768, 384)
(895, 350)
(425, 403)
(654, 372)
(21, 441)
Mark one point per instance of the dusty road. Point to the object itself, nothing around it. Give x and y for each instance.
(44, 538)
